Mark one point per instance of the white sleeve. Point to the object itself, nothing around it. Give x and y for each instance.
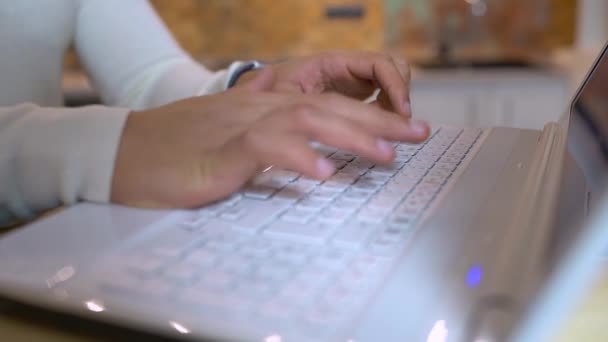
(53, 156)
(134, 61)
(50, 156)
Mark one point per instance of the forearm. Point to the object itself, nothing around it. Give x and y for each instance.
(135, 62)
(55, 156)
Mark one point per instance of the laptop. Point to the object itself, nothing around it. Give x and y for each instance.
(473, 235)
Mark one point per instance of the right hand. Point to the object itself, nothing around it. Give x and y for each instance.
(196, 151)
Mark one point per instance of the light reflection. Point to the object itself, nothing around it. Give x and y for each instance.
(61, 275)
(474, 276)
(273, 338)
(94, 306)
(180, 328)
(439, 332)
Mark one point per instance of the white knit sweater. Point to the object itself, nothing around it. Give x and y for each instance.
(51, 155)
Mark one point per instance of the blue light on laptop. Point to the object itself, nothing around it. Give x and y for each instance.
(474, 276)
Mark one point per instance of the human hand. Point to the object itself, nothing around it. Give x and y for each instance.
(193, 152)
(356, 74)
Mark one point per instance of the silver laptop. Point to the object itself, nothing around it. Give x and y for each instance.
(474, 235)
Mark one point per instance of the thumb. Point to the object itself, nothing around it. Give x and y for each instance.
(264, 80)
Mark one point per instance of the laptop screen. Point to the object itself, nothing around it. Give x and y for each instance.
(588, 131)
(574, 258)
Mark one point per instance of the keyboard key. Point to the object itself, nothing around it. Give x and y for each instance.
(298, 215)
(333, 216)
(326, 151)
(312, 203)
(213, 209)
(347, 204)
(354, 235)
(332, 259)
(234, 213)
(258, 214)
(325, 193)
(358, 194)
(293, 231)
(344, 156)
(387, 171)
(371, 214)
(301, 186)
(338, 183)
(362, 163)
(402, 220)
(259, 191)
(232, 200)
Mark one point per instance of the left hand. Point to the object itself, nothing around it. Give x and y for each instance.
(352, 73)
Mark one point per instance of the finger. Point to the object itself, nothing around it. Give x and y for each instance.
(242, 158)
(406, 75)
(293, 152)
(377, 120)
(320, 125)
(391, 77)
(385, 102)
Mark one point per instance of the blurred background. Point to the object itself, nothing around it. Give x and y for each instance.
(475, 29)
(475, 62)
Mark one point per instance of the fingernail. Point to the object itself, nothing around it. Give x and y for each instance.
(384, 147)
(407, 107)
(325, 167)
(419, 127)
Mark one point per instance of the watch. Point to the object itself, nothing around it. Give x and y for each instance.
(248, 66)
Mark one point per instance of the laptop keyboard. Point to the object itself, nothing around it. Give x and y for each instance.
(292, 252)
